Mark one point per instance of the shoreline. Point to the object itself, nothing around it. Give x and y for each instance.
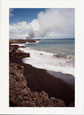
(40, 80)
(68, 78)
(40, 59)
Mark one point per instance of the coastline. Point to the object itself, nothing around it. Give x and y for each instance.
(68, 78)
(58, 62)
(38, 80)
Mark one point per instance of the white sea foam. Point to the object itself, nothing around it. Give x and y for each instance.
(27, 42)
(18, 44)
(48, 61)
(32, 42)
(37, 41)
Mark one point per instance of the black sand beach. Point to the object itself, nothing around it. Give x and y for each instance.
(39, 80)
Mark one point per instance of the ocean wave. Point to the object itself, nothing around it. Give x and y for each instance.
(50, 61)
(60, 56)
(35, 42)
(22, 44)
(69, 59)
(63, 56)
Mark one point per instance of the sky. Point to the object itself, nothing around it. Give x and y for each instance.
(43, 23)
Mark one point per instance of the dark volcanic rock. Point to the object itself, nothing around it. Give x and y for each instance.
(21, 95)
(24, 41)
(32, 87)
(14, 52)
(22, 47)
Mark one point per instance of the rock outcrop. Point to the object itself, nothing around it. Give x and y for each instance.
(14, 52)
(24, 41)
(21, 95)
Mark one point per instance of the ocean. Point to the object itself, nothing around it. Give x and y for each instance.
(58, 46)
(56, 55)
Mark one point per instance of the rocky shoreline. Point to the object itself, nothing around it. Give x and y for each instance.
(32, 87)
(24, 41)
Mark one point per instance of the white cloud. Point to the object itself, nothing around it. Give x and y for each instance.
(60, 21)
(19, 30)
(53, 23)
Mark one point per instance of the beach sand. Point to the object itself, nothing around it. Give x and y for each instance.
(40, 80)
(56, 87)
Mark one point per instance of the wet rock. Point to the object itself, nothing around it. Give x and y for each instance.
(41, 53)
(14, 52)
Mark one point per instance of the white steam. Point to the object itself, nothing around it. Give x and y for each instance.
(53, 23)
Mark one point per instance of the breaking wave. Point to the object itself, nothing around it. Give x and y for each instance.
(49, 61)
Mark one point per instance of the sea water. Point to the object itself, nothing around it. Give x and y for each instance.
(52, 54)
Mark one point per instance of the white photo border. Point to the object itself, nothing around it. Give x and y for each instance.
(4, 58)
